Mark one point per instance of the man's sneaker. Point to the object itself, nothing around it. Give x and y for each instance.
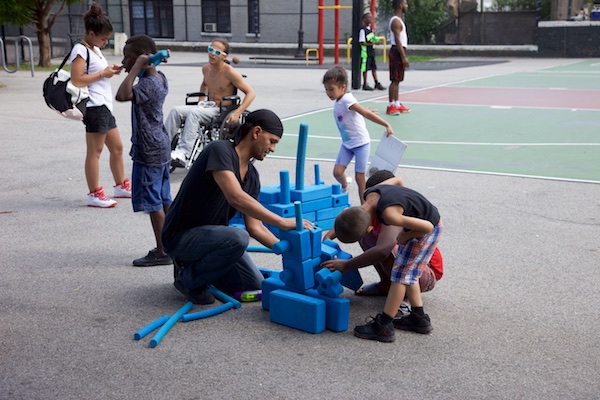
(404, 310)
(196, 296)
(392, 110)
(152, 259)
(123, 190)
(379, 86)
(375, 330)
(367, 87)
(98, 199)
(403, 109)
(414, 322)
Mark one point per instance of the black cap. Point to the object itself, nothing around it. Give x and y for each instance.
(267, 120)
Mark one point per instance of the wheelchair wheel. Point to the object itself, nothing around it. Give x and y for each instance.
(226, 130)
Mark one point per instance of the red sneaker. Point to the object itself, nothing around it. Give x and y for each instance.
(403, 109)
(392, 110)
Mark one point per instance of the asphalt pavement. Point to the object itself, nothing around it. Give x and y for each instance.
(515, 315)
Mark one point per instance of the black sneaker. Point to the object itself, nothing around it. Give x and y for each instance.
(379, 86)
(375, 330)
(367, 87)
(196, 296)
(152, 259)
(414, 322)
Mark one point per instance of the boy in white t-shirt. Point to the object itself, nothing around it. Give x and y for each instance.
(350, 119)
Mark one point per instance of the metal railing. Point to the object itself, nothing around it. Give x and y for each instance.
(18, 41)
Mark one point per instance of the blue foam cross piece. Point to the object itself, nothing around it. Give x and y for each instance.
(328, 283)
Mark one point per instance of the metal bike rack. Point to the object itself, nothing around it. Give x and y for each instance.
(17, 42)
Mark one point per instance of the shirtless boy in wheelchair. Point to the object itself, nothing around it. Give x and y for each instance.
(202, 124)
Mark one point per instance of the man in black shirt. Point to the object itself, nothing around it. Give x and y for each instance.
(223, 180)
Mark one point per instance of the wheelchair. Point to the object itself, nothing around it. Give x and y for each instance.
(217, 129)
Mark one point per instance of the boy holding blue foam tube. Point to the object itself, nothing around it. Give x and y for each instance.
(151, 147)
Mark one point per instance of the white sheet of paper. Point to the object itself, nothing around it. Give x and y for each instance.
(388, 154)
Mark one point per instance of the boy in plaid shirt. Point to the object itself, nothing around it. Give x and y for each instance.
(421, 229)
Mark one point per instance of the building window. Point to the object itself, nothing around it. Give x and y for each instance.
(253, 17)
(216, 16)
(152, 17)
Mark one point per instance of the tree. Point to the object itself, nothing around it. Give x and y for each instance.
(423, 17)
(37, 13)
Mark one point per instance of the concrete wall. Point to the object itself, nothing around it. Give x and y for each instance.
(569, 39)
(498, 28)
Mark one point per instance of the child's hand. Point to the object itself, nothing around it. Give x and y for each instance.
(335, 265)
(389, 131)
(376, 112)
(143, 61)
(111, 71)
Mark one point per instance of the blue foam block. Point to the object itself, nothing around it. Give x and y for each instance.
(311, 192)
(299, 275)
(268, 285)
(328, 283)
(337, 311)
(283, 210)
(327, 252)
(297, 311)
(299, 244)
(339, 200)
(328, 213)
(326, 224)
(316, 235)
(269, 194)
(317, 204)
(352, 280)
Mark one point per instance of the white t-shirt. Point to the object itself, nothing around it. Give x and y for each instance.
(100, 90)
(403, 34)
(351, 124)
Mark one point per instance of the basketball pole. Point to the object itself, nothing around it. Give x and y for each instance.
(355, 51)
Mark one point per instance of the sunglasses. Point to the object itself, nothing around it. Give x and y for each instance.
(216, 52)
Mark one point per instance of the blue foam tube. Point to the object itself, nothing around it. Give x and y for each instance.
(281, 247)
(223, 297)
(284, 191)
(301, 156)
(317, 174)
(150, 327)
(258, 249)
(207, 313)
(298, 211)
(155, 59)
(170, 322)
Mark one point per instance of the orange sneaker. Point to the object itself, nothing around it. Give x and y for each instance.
(403, 109)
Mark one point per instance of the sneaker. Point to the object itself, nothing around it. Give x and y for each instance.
(379, 86)
(152, 259)
(178, 157)
(414, 322)
(122, 190)
(98, 199)
(367, 87)
(403, 109)
(404, 310)
(375, 330)
(196, 296)
(348, 182)
(392, 110)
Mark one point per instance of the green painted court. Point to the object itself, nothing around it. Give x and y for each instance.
(538, 124)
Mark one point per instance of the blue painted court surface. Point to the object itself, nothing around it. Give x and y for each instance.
(538, 124)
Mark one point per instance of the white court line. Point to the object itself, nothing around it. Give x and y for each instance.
(500, 107)
(548, 178)
(337, 138)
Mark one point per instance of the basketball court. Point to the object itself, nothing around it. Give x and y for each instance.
(537, 124)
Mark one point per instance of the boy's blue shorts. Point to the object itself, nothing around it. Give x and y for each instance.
(151, 188)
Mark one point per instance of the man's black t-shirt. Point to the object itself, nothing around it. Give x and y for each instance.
(200, 201)
(414, 203)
